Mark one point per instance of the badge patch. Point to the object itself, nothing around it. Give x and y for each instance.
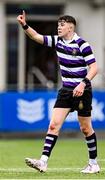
(80, 105)
(74, 52)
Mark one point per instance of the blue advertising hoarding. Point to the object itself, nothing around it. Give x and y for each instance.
(31, 111)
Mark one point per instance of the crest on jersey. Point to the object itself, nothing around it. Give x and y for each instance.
(74, 52)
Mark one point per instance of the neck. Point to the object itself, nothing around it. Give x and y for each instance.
(69, 36)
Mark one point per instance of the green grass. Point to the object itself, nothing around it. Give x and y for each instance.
(68, 158)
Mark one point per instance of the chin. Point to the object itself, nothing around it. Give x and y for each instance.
(59, 35)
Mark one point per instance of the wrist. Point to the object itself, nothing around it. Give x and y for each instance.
(83, 84)
(86, 81)
(25, 26)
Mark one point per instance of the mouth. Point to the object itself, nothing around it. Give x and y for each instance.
(59, 32)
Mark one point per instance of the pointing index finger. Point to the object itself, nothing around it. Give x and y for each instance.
(24, 14)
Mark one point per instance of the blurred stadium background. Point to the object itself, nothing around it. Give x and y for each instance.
(29, 73)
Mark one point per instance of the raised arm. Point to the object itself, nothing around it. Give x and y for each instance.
(28, 30)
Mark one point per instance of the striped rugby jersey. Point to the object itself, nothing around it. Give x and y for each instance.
(73, 56)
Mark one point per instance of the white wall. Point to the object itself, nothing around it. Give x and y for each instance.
(91, 28)
(2, 49)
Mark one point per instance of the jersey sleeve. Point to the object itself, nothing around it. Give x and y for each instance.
(50, 41)
(87, 53)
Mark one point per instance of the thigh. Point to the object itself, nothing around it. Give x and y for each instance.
(58, 116)
(84, 121)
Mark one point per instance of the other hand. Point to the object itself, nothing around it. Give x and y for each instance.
(79, 90)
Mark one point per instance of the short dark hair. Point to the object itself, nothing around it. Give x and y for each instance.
(67, 18)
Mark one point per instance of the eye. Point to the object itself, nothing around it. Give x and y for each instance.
(62, 24)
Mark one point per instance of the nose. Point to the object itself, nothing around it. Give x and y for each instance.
(59, 29)
(59, 26)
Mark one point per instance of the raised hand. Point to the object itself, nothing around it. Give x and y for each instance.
(22, 18)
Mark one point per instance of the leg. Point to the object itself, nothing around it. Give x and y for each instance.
(58, 117)
(86, 125)
(86, 128)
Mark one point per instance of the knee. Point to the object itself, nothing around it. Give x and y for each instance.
(84, 130)
(54, 128)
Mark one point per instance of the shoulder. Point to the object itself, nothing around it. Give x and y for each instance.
(80, 41)
(83, 44)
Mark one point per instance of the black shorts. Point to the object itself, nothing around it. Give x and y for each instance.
(82, 104)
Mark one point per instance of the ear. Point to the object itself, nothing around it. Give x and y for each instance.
(71, 27)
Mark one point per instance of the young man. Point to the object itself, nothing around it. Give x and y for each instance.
(74, 56)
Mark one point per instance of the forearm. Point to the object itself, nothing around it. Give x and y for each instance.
(93, 70)
(34, 35)
(31, 33)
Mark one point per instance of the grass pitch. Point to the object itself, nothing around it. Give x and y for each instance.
(68, 158)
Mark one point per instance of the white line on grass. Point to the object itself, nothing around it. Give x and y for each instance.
(31, 169)
(75, 169)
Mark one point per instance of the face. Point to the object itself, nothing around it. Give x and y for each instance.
(65, 29)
